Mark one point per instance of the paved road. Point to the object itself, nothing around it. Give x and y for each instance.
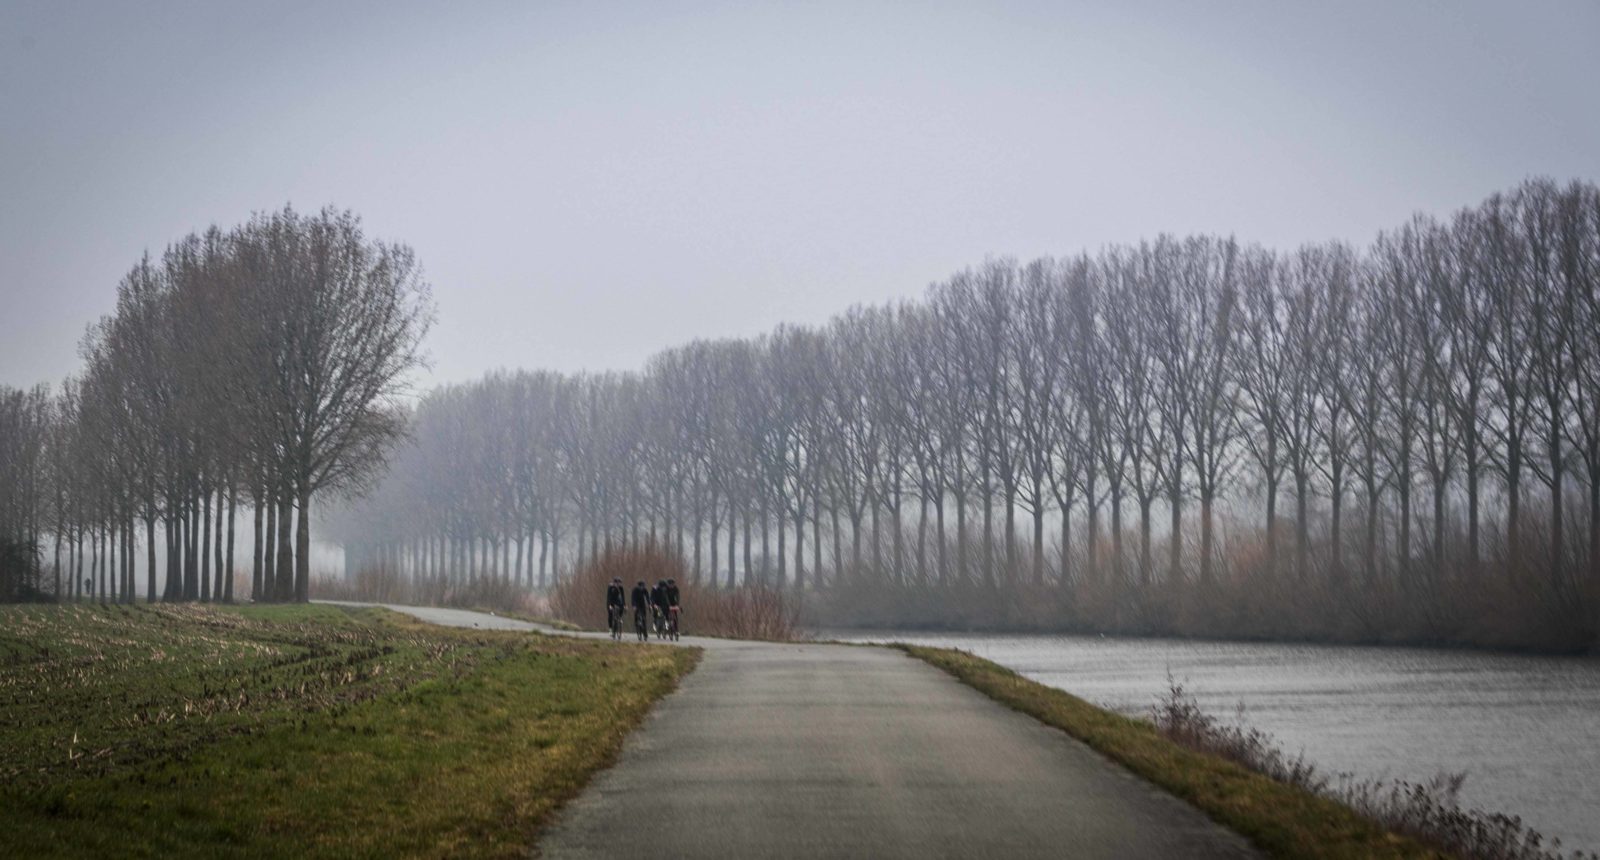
(778, 751)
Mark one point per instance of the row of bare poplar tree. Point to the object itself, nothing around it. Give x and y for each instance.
(254, 368)
(1422, 408)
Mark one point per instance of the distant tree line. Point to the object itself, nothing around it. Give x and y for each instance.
(1417, 410)
(252, 368)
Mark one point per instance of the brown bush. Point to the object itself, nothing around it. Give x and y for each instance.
(746, 612)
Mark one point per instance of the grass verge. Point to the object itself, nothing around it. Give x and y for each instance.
(1280, 819)
(183, 731)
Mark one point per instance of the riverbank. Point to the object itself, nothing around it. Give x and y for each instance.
(181, 731)
(1500, 613)
(1283, 820)
(1517, 726)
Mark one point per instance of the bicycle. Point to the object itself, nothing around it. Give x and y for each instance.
(672, 622)
(614, 621)
(641, 626)
(658, 620)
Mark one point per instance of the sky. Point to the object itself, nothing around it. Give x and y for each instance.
(589, 183)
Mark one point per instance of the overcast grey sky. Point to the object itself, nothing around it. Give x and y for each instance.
(589, 183)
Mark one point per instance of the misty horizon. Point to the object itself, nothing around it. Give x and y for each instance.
(591, 187)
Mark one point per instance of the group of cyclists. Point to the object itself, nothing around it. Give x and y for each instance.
(653, 608)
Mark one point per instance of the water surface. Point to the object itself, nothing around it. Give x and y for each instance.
(1526, 729)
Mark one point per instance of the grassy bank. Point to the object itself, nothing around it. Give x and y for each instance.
(1282, 820)
(179, 731)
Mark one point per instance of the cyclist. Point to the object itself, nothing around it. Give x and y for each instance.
(658, 605)
(616, 598)
(674, 609)
(641, 610)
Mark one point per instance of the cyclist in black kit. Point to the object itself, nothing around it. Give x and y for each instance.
(641, 610)
(674, 610)
(658, 602)
(616, 599)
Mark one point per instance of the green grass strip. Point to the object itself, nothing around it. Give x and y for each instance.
(183, 731)
(1280, 819)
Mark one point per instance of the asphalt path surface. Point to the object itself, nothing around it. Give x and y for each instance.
(806, 750)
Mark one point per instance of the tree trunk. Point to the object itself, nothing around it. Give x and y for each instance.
(695, 566)
(1092, 538)
(1557, 514)
(816, 537)
(877, 536)
(922, 540)
(302, 547)
(233, 510)
(1370, 546)
(269, 552)
(546, 545)
(800, 547)
(1403, 553)
(838, 543)
(1272, 523)
(205, 547)
(522, 576)
(1011, 535)
(191, 550)
(150, 557)
(749, 562)
(169, 532)
(1474, 539)
(766, 538)
(714, 546)
(1145, 501)
(855, 545)
(1514, 501)
(219, 551)
(285, 581)
(107, 571)
(1038, 541)
(1066, 544)
(783, 572)
(1175, 539)
(1302, 534)
(1116, 533)
(988, 536)
(1336, 527)
(733, 542)
(897, 538)
(1439, 490)
(961, 539)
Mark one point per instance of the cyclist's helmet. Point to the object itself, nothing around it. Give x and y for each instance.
(641, 582)
(671, 581)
